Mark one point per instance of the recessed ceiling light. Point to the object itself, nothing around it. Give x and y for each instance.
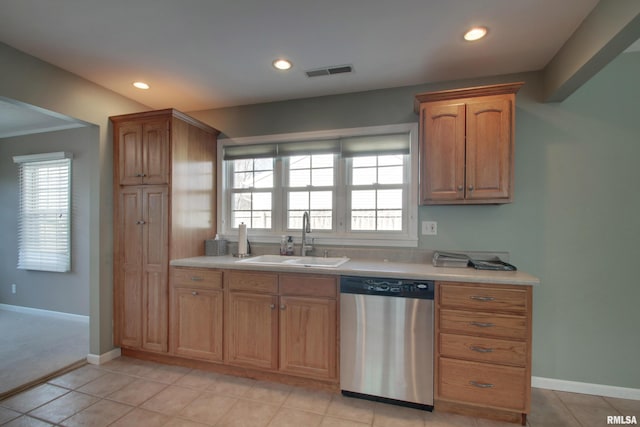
(282, 64)
(475, 33)
(141, 85)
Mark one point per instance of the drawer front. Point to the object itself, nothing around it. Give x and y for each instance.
(484, 324)
(253, 282)
(196, 278)
(484, 298)
(484, 349)
(312, 286)
(483, 384)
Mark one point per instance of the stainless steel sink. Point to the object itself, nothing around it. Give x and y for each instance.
(293, 261)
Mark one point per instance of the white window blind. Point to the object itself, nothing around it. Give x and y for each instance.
(44, 217)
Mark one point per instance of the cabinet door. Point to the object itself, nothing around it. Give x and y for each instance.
(197, 323)
(130, 153)
(489, 148)
(128, 283)
(308, 336)
(156, 152)
(154, 266)
(443, 151)
(252, 330)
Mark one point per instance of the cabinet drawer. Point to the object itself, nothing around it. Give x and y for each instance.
(483, 384)
(196, 278)
(312, 286)
(484, 298)
(253, 282)
(484, 324)
(484, 349)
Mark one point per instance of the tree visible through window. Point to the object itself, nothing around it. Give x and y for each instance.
(44, 218)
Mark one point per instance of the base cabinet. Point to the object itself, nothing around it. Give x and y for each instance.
(291, 327)
(483, 350)
(196, 313)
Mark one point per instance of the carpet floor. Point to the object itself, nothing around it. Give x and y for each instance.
(33, 346)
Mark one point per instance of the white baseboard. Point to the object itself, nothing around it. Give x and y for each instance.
(41, 312)
(586, 388)
(99, 359)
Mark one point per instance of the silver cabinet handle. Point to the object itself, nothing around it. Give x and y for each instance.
(196, 279)
(481, 385)
(140, 222)
(143, 175)
(482, 324)
(282, 307)
(272, 306)
(482, 298)
(194, 293)
(471, 188)
(460, 187)
(138, 175)
(481, 349)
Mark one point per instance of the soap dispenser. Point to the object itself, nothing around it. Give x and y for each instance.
(283, 245)
(290, 246)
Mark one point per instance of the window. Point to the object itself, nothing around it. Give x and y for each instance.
(358, 185)
(44, 217)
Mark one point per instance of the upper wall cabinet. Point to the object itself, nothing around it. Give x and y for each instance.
(467, 144)
(143, 151)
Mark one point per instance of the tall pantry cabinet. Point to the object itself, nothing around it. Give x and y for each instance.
(164, 208)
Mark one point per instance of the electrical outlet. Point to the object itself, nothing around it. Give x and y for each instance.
(429, 228)
(13, 288)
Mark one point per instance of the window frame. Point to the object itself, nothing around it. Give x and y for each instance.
(342, 234)
(28, 250)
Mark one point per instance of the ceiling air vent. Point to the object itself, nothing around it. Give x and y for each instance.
(327, 71)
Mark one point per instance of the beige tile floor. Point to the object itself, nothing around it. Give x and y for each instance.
(129, 392)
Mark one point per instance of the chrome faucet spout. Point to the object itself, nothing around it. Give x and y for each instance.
(306, 228)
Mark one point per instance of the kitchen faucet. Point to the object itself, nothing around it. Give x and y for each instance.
(306, 228)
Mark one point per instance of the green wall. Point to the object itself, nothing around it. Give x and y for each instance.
(32, 81)
(574, 222)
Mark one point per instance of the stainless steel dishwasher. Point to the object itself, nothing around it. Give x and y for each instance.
(386, 340)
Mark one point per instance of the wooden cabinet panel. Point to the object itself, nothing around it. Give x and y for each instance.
(483, 349)
(489, 148)
(130, 153)
(443, 159)
(484, 297)
(144, 205)
(196, 327)
(141, 312)
(196, 278)
(467, 144)
(258, 282)
(143, 152)
(484, 384)
(308, 336)
(251, 330)
(483, 324)
(308, 285)
(155, 152)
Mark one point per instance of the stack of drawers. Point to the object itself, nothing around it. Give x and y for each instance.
(483, 349)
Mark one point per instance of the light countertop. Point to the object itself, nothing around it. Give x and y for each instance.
(371, 268)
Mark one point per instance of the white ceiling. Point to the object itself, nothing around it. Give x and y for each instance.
(17, 118)
(201, 54)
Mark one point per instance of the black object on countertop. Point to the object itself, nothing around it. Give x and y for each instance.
(497, 264)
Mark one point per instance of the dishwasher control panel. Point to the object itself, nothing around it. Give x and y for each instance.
(400, 288)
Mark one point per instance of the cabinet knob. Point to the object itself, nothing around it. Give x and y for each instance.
(482, 298)
(273, 306)
(138, 175)
(482, 324)
(140, 222)
(143, 175)
(282, 307)
(460, 187)
(471, 188)
(480, 385)
(194, 293)
(481, 349)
